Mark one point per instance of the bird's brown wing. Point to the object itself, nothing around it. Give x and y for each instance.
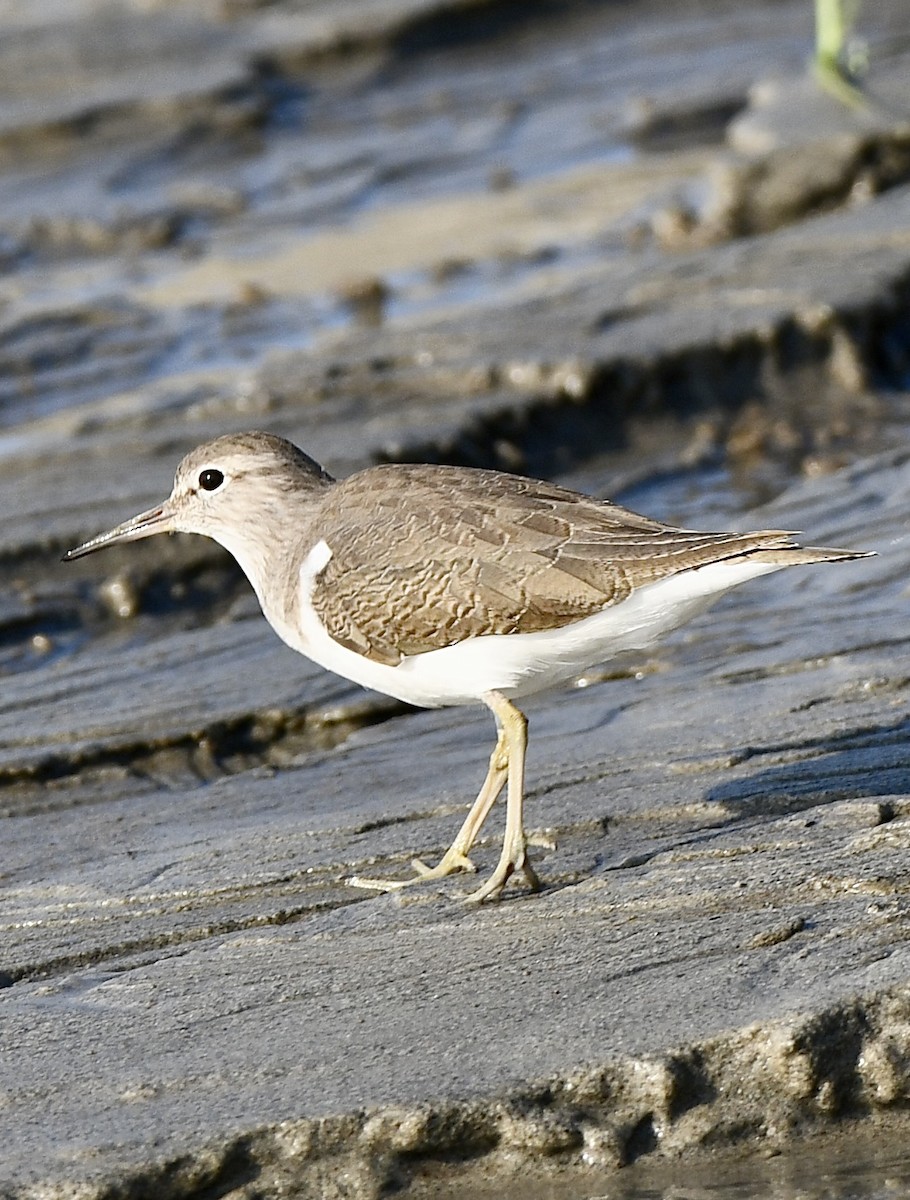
(422, 558)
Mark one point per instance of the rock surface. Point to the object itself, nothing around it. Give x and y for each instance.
(194, 1002)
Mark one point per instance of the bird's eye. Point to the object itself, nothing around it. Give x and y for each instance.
(211, 480)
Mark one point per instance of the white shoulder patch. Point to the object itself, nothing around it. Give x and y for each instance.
(316, 561)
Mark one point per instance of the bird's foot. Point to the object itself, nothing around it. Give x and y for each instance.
(377, 885)
(453, 860)
(513, 858)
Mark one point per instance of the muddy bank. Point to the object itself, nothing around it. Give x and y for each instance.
(583, 244)
(218, 995)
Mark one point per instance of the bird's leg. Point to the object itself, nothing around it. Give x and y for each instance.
(456, 857)
(513, 727)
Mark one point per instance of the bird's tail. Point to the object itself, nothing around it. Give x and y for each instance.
(788, 554)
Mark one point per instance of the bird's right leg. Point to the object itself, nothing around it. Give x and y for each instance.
(513, 726)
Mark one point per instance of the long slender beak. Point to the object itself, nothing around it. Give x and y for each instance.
(156, 520)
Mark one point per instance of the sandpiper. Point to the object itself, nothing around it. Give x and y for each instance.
(448, 586)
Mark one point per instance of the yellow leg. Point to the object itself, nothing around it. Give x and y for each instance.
(456, 857)
(507, 762)
(513, 727)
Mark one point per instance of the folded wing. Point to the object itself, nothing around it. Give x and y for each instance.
(422, 559)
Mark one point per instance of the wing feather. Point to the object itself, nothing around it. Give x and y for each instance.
(426, 557)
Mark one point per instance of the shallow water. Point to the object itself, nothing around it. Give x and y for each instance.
(845, 1172)
(853, 1166)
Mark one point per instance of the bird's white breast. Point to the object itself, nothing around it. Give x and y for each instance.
(523, 663)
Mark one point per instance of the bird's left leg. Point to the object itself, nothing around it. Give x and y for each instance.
(456, 857)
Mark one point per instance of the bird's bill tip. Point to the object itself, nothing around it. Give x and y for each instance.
(155, 520)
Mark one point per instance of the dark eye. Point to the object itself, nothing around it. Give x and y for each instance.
(211, 480)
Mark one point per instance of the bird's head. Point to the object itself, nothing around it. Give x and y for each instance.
(240, 489)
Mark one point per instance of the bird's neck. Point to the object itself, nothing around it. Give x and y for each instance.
(271, 561)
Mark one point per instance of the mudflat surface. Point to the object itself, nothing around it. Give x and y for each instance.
(590, 243)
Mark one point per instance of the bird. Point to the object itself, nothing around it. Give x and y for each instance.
(448, 585)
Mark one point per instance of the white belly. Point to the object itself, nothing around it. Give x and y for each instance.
(523, 663)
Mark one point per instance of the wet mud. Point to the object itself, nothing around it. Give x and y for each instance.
(630, 247)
